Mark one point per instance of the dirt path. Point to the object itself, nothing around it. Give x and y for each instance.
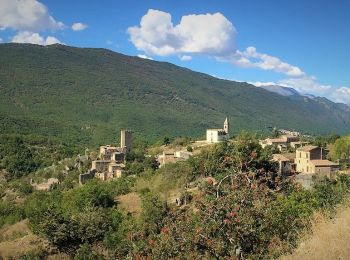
(329, 240)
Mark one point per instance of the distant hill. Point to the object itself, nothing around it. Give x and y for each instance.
(283, 91)
(85, 96)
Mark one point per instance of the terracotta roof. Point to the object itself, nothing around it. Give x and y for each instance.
(323, 163)
(289, 155)
(307, 148)
(280, 157)
(278, 140)
(286, 157)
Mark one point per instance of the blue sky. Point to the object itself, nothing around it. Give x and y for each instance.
(302, 44)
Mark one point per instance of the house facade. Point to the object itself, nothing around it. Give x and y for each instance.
(311, 159)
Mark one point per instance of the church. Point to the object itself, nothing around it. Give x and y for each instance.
(218, 135)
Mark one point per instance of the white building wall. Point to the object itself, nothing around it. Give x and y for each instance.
(215, 136)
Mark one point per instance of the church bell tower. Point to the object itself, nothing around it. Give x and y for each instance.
(226, 126)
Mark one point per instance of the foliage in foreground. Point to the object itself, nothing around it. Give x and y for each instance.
(250, 211)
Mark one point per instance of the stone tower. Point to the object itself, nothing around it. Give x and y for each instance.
(126, 140)
(226, 126)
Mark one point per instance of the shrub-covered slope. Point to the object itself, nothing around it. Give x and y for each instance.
(86, 95)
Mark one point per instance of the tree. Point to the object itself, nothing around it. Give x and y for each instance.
(91, 224)
(153, 211)
(85, 253)
(57, 228)
(341, 148)
(166, 141)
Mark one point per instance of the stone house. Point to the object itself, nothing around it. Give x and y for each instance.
(311, 159)
(112, 160)
(282, 143)
(285, 162)
(298, 144)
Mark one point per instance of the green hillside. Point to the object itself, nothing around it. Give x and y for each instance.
(86, 95)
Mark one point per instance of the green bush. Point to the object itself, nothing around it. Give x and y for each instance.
(10, 213)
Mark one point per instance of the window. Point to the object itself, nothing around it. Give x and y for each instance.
(299, 154)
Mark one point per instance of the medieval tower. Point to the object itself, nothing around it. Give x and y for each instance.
(226, 126)
(126, 140)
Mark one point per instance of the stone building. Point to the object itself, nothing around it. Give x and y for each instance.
(285, 162)
(281, 143)
(219, 135)
(111, 162)
(126, 140)
(311, 159)
(106, 151)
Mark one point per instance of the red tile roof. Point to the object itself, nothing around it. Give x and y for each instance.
(323, 163)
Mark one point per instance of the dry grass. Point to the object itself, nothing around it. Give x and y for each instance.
(9, 233)
(17, 240)
(330, 239)
(19, 247)
(130, 202)
(59, 256)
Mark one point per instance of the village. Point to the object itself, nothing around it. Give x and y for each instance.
(294, 157)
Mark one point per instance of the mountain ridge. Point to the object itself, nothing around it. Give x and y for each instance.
(86, 95)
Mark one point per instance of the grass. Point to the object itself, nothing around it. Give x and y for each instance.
(17, 240)
(130, 203)
(329, 239)
(12, 232)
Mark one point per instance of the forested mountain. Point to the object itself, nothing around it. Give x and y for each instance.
(86, 95)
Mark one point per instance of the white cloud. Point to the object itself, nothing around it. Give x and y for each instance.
(209, 34)
(79, 26)
(250, 58)
(28, 15)
(186, 58)
(263, 84)
(306, 85)
(34, 38)
(157, 35)
(1, 40)
(341, 95)
(214, 35)
(310, 85)
(142, 56)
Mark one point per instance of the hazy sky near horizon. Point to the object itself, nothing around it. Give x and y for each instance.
(301, 44)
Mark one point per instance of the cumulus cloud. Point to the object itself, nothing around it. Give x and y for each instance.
(263, 84)
(186, 58)
(26, 15)
(157, 35)
(306, 85)
(209, 34)
(214, 35)
(34, 38)
(341, 95)
(142, 56)
(251, 58)
(309, 85)
(79, 26)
